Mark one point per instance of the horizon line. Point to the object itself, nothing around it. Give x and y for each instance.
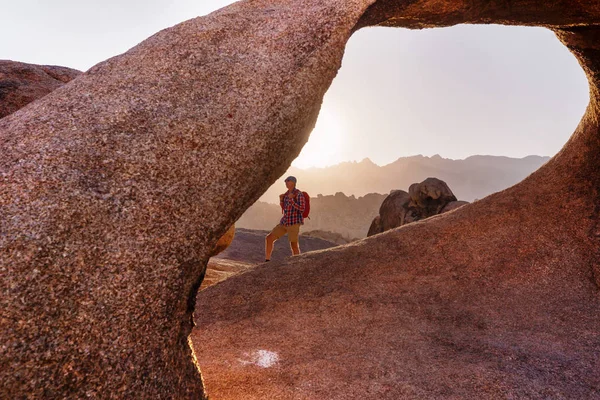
(412, 156)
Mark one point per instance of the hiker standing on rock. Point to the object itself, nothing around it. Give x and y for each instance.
(295, 206)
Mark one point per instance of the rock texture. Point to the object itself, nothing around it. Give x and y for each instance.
(498, 299)
(423, 200)
(224, 242)
(117, 186)
(219, 269)
(431, 195)
(21, 83)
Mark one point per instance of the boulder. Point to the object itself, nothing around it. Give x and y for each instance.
(431, 195)
(453, 205)
(422, 200)
(375, 227)
(22, 83)
(117, 186)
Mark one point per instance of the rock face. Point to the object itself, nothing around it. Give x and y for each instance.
(117, 186)
(224, 242)
(219, 269)
(21, 83)
(453, 205)
(423, 200)
(431, 195)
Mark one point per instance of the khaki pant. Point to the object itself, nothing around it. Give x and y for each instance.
(292, 231)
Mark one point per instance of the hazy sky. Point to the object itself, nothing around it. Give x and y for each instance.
(456, 91)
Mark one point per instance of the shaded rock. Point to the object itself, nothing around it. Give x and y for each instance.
(224, 242)
(453, 205)
(393, 210)
(21, 83)
(219, 269)
(423, 200)
(117, 186)
(431, 195)
(375, 227)
(247, 248)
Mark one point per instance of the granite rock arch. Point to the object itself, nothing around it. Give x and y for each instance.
(117, 185)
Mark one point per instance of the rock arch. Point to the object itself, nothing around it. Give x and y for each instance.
(116, 186)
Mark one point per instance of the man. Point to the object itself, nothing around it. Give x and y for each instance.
(293, 204)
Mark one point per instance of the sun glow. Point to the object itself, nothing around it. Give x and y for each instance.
(324, 146)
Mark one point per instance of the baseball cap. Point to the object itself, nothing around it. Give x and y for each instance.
(291, 178)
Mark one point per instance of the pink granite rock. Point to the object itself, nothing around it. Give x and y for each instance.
(21, 83)
(117, 186)
(497, 299)
(224, 242)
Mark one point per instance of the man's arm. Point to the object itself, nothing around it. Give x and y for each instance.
(300, 204)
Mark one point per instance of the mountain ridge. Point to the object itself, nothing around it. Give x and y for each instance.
(471, 178)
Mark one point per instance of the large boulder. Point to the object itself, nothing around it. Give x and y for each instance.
(375, 226)
(22, 83)
(431, 195)
(393, 210)
(423, 200)
(116, 188)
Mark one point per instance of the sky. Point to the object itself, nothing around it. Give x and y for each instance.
(456, 92)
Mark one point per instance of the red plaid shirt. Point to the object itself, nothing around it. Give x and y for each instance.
(293, 208)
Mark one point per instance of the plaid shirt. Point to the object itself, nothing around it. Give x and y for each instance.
(293, 208)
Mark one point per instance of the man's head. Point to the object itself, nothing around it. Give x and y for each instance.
(290, 182)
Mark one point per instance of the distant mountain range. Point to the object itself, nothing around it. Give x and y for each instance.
(472, 178)
(346, 197)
